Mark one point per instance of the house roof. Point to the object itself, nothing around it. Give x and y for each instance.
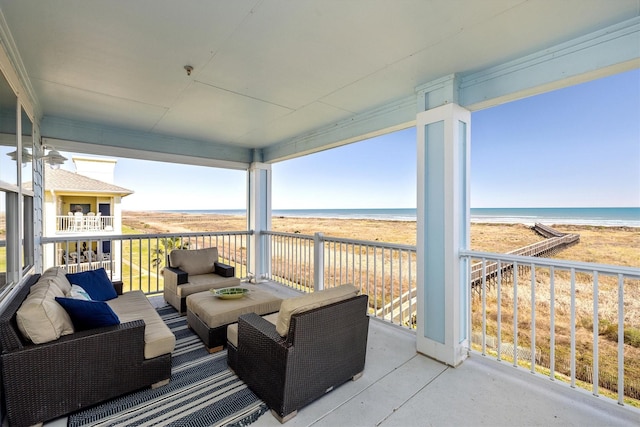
(61, 180)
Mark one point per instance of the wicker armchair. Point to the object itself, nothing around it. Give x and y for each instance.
(324, 348)
(190, 271)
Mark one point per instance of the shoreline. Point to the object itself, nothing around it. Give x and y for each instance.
(165, 216)
(528, 221)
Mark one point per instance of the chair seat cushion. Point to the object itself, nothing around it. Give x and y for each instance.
(232, 330)
(204, 282)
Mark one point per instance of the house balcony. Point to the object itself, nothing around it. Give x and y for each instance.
(506, 380)
(67, 224)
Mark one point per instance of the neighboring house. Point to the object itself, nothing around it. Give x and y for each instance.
(85, 204)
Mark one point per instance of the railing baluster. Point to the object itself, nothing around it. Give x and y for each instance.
(499, 309)
(552, 332)
(383, 284)
(484, 306)
(573, 327)
(533, 318)
(515, 313)
(595, 334)
(620, 339)
(375, 277)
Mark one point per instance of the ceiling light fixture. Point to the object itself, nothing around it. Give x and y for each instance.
(54, 158)
(189, 69)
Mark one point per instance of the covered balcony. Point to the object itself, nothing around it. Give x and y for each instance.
(244, 85)
(504, 380)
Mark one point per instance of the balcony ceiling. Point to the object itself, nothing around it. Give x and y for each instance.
(265, 73)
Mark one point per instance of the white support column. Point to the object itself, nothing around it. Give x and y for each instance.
(259, 218)
(443, 229)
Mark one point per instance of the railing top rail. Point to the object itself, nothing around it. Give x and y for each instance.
(344, 240)
(283, 234)
(384, 245)
(85, 216)
(563, 264)
(143, 236)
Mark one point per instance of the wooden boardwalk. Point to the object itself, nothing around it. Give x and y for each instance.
(554, 242)
(402, 309)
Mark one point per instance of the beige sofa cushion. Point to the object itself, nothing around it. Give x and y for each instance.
(232, 330)
(193, 262)
(158, 338)
(59, 276)
(40, 318)
(307, 302)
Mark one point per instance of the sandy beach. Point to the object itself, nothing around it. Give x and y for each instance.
(603, 245)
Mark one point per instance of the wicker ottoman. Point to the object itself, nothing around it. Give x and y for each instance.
(209, 315)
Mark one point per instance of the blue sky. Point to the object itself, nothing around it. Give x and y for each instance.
(575, 147)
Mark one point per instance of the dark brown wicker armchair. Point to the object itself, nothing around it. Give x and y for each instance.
(324, 348)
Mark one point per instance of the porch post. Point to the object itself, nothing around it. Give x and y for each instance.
(442, 223)
(259, 218)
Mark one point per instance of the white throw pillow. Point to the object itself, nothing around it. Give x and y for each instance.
(78, 292)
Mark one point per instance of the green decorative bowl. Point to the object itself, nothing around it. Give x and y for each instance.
(229, 293)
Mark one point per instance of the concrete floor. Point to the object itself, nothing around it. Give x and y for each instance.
(402, 388)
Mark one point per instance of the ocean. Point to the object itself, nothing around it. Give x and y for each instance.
(629, 217)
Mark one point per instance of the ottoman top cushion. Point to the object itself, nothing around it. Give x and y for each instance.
(215, 312)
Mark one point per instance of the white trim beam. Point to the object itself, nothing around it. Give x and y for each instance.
(609, 51)
(390, 118)
(93, 139)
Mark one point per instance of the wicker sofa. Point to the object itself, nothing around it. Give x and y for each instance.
(43, 381)
(190, 271)
(314, 343)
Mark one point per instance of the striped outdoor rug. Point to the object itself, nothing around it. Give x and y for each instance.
(202, 391)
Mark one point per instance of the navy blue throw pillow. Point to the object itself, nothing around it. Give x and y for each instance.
(88, 314)
(96, 283)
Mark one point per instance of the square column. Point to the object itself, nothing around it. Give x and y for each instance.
(443, 229)
(259, 218)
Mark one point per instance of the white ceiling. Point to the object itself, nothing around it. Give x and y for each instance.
(272, 70)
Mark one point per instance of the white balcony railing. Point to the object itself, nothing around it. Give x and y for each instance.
(138, 259)
(562, 318)
(84, 223)
(384, 271)
(387, 272)
(565, 319)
